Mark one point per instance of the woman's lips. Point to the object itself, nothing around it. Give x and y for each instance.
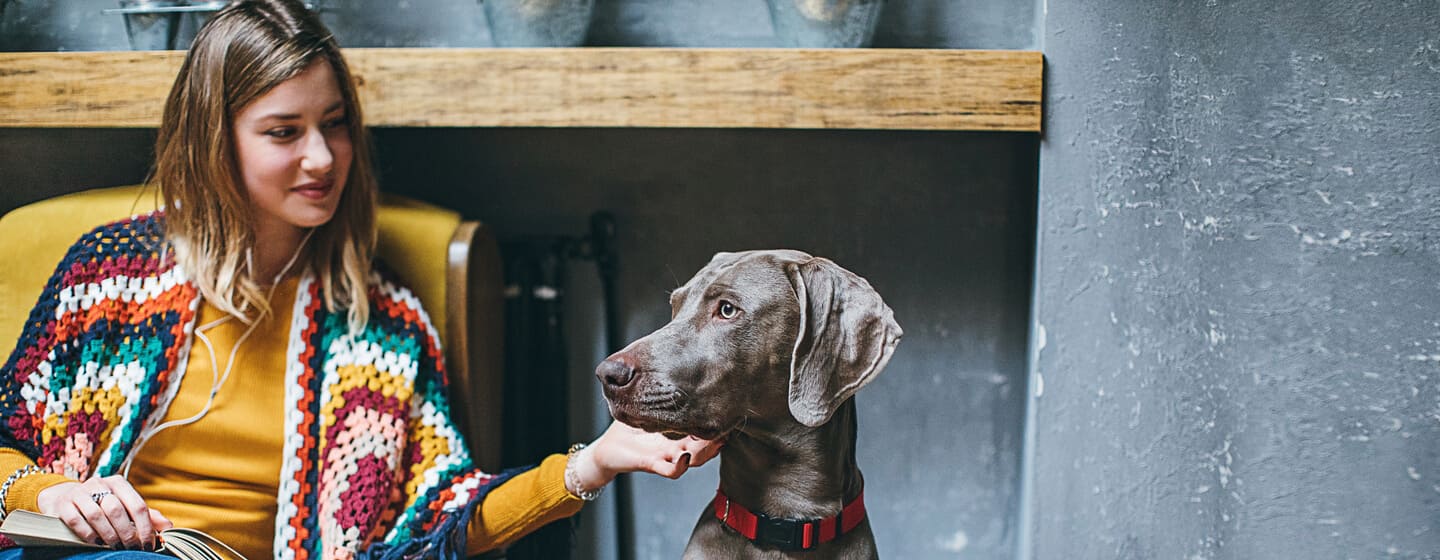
(316, 191)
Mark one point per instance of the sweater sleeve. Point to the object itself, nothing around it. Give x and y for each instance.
(441, 489)
(20, 434)
(25, 491)
(38, 339)
(522, 504)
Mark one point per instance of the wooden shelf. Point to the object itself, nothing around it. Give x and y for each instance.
(918, 89)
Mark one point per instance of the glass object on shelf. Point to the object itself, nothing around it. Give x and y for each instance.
(538, 23)
(191, 22)
(155, 25)
(150, 24)
(825, 23)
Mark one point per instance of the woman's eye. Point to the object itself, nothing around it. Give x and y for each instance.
(281, 133)
(337, 123)
(728, 310)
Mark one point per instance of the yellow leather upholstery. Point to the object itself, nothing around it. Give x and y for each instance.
(452, 266)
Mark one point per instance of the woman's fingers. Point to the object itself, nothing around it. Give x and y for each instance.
(115, 511)
(131, 515)
(77, 523)
(702, 451)
(670, 469)
(625, 448)
(58, 501)
(94, 514)
(159, 521)
(104, 510)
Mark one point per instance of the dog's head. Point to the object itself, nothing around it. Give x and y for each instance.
(758, 334)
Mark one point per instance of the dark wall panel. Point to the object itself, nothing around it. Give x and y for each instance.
(38, 164)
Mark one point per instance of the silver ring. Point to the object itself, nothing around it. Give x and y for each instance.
(99, 496)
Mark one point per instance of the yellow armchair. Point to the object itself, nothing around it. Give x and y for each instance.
(452, 265)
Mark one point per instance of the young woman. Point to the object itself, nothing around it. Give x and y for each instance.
(235, 360)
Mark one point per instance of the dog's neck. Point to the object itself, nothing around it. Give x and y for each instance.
(788, 470)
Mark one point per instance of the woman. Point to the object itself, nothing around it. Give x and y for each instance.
(235, 360)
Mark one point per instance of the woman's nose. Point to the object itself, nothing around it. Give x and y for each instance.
(317, 156)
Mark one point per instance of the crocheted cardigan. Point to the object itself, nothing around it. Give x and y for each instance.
(373, 466)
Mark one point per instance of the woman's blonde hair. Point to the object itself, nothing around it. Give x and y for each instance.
(247, 49)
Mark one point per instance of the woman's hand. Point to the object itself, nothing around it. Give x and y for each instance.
(104, 510)
(623, 449)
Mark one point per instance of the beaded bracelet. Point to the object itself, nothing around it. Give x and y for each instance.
(572, 478)
(19, 473)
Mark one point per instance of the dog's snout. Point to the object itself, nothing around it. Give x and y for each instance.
(615, 372)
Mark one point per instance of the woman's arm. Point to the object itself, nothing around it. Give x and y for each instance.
(26, 488)
(521, 505)
(19, 435)
(537, 497)
(25, 389)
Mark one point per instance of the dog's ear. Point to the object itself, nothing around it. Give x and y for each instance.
(847, 335)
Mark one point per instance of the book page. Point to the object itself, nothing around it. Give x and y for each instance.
(205, 546)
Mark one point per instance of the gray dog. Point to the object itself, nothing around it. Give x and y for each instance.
(765, 348)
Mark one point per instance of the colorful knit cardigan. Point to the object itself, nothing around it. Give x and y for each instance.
(373, 466)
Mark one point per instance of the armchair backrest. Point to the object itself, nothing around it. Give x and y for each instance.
(452, 265)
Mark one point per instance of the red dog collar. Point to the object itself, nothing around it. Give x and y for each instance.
(788, 534)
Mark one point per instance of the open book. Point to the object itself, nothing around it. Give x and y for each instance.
(28, 528)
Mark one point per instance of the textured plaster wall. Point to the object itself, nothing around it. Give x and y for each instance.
(1237, 332)
(78, 25)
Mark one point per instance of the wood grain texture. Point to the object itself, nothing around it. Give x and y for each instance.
(86, 89)
(917, 89)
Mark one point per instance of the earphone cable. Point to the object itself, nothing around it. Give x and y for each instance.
(217, 380)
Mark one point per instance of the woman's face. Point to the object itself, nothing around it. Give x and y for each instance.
(293, 147)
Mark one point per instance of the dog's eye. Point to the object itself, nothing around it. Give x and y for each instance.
(728, 310)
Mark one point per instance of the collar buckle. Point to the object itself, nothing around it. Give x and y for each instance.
(784, 534)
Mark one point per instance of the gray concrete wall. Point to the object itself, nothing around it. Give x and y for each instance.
(80, 25)
(1236, 345)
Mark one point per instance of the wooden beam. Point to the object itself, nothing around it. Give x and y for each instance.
(920, 89)
(86, 89)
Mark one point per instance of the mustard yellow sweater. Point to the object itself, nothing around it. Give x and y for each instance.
(221, 474)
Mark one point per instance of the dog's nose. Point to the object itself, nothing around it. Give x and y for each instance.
(615, 372)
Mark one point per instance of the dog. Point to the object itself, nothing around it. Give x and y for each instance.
(765, 349)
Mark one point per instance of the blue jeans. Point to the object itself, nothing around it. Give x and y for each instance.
(55, 553)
